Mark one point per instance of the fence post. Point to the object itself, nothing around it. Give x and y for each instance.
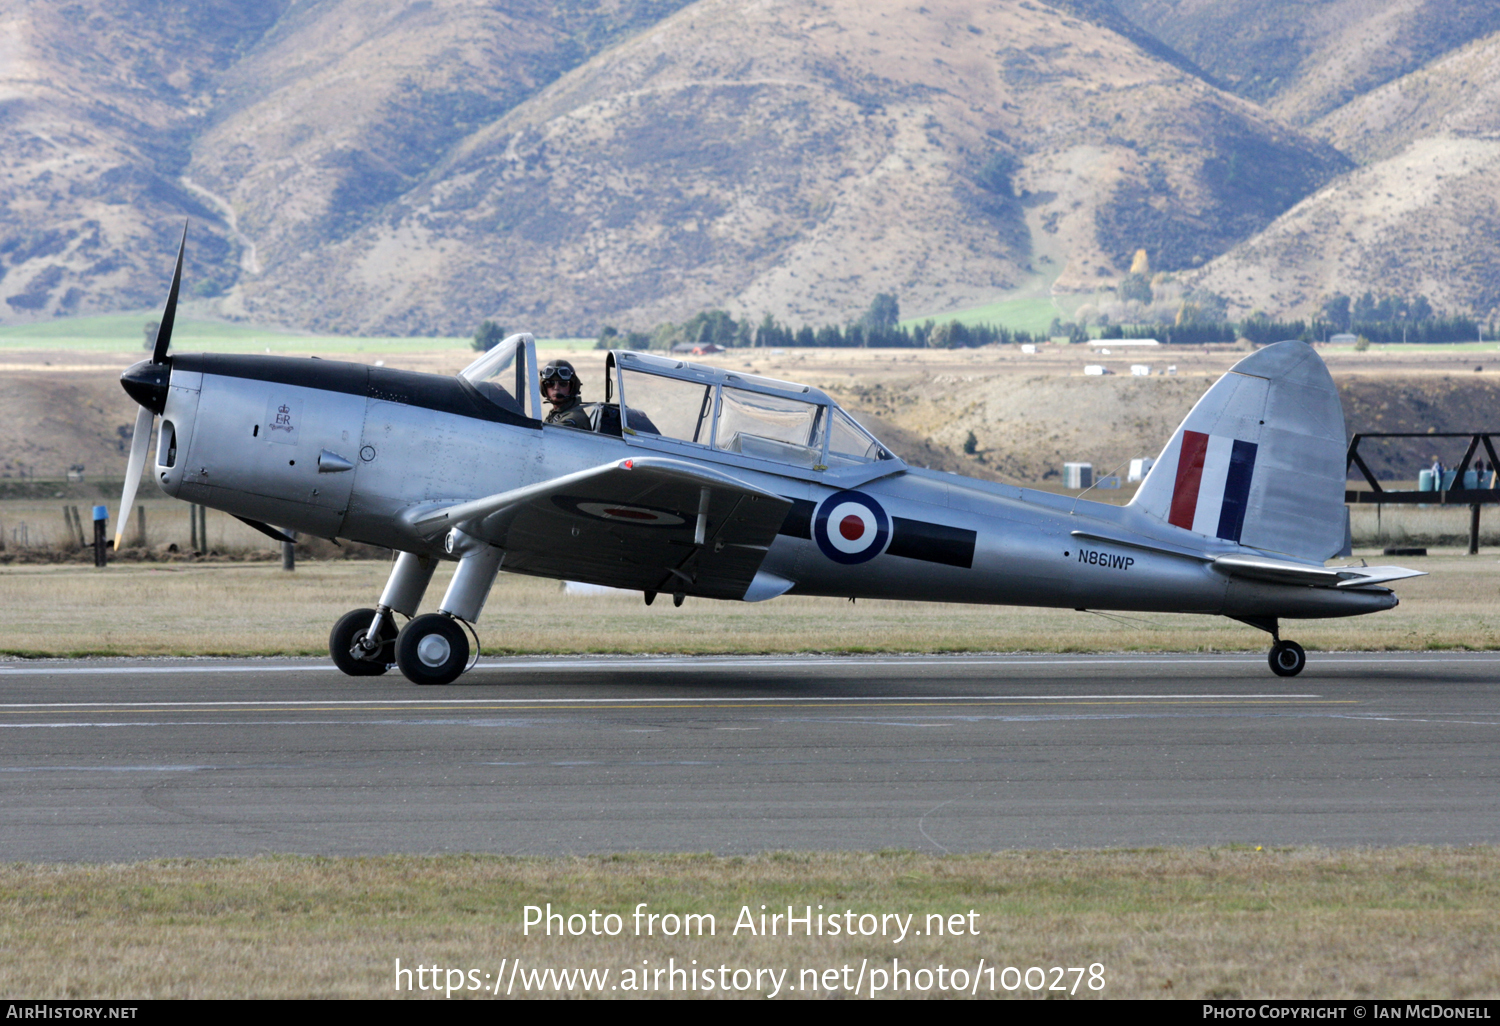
(1474, 529)
(75, 525)
(101, 517)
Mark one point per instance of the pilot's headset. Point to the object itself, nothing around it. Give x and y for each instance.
(562, 370)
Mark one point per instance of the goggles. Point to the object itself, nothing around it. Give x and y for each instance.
(557, 374)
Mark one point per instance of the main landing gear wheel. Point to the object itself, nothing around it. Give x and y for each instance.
(351, 628)
(432, 649)
(1287, 659)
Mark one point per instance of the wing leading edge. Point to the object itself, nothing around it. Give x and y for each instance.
(645, 524)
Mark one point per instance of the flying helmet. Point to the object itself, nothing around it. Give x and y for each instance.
(562, 370)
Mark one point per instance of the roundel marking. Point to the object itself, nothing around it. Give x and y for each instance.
(632, 514)
(851, 527)
(620, 512)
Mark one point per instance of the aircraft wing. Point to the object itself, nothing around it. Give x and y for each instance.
(1279, 572)
(645, 524)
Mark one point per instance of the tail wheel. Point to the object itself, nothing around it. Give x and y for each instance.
(352, 627)
(432, 649)
(1287, 659)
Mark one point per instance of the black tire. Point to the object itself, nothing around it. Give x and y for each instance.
(349, 629)
(1287, 659)
(432, 649)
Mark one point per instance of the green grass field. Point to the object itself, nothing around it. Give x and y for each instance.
(1029, 314)
(124, 333)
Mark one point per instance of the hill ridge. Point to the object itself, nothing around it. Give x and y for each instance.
(367, 166)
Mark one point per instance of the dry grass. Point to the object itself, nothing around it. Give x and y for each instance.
(40, 522)
(1298, 923)
(1438, 526)
(257, 609)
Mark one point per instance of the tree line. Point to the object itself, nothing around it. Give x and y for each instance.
(1374, 320)
(878, 328)
(1264, 330)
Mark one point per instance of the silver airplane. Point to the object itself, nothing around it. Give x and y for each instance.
(705, 482)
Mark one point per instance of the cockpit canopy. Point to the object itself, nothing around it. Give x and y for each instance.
(738, 413)
(696, 410)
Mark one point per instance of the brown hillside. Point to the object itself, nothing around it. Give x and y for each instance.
(347, 105)
(1027, 423)
(1455, 96)
(1305, 58)
(273, 125)
(1441, 402)
(1417, 219)
(416, 166)
(63, 408)
(798, 157)
(1421, 222)
(98, 103)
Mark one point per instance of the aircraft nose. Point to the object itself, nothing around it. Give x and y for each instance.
(147, 383)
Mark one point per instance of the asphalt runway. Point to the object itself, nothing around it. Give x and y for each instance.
(124, 760)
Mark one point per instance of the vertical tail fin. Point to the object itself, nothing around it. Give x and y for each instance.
(1260, 459)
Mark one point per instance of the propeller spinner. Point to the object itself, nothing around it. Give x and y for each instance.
(147, 383)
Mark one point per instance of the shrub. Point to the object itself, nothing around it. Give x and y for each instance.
(487, 336)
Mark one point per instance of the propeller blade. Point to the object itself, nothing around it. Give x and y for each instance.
(140, 444)
(169, 315)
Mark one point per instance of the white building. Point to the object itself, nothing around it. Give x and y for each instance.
(1078, 475)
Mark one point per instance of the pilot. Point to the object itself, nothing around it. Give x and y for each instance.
(561, 388)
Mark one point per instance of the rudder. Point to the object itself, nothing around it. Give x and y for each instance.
(1260, 459)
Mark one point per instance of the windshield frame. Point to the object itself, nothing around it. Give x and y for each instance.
(519, 349)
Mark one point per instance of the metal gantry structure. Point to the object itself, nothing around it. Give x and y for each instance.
(1439, 496)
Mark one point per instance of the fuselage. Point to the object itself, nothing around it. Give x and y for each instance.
(336, 449)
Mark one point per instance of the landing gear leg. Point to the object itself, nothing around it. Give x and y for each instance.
(434, 649)
(363, 642)
(1286, 657)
